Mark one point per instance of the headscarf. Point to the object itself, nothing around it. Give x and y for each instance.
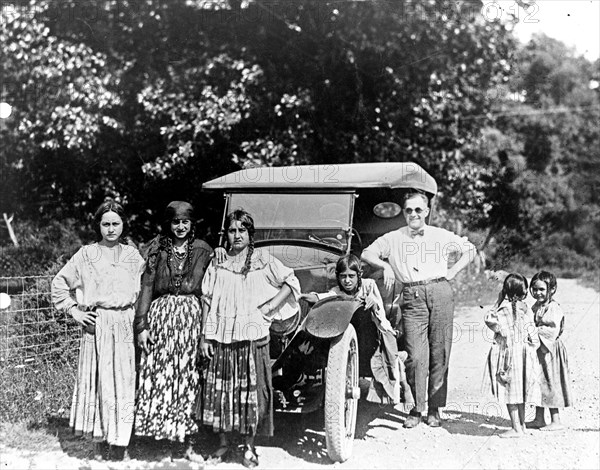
(179, 210)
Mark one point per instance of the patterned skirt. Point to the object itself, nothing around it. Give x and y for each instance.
(521, 382)
(237, 393)
(102, 405)
(169, 376)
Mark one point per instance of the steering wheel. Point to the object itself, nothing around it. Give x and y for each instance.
(333, 241)
(327, 240)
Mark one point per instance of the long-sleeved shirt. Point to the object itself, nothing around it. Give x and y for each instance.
(233, 299)
(98, 276)
(161, 279)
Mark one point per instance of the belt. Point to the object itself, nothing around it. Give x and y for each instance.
(423, 283)
(95, 307)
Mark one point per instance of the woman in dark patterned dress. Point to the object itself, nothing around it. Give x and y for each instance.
(168, 325)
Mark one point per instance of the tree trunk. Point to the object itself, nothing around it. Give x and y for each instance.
(11, 232)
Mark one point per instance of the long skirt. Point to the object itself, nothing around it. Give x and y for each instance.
(105, 389)
(555, 381)
(169, 375)
(238, 394)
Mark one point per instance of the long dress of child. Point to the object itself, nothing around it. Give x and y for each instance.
(108, 282)
(169, 308)
(552, 354)
(512, 363)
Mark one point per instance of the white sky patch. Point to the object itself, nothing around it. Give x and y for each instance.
(574, 22)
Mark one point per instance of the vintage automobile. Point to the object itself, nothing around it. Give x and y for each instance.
(309, 216)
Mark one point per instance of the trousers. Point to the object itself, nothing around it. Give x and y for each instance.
(427, 315)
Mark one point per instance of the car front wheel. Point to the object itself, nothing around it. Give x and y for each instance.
(341, 395)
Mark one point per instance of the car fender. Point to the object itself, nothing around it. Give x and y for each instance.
(331, 316)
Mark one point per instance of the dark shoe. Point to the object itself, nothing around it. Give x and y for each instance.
(177, 450)
(101, 451)
(220, 455)
(118, 453)
(412, 420)
(250, 459)
(433, 421)
(433, 418)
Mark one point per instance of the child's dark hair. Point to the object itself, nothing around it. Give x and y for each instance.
(240, 215)
(548, 278)
(349, 262)
(514, 289)
(109, 205)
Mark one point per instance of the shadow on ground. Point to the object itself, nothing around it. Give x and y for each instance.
(300, 435)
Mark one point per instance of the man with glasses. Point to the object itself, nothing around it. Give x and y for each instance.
(417, 256)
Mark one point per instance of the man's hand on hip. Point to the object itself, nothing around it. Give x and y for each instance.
(389, 278)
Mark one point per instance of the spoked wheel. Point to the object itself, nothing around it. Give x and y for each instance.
(341, 395)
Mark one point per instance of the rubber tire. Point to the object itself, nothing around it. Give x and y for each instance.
(340, 412)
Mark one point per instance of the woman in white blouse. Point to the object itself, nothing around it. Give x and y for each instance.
(98, 288)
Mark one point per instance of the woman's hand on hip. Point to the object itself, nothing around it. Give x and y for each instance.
(144, 340)
(84, 318)
(267, 312)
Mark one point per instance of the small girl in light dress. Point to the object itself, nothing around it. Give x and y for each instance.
(512, 362)
(552, 354)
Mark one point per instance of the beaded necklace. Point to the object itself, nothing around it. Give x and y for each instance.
(176, 259)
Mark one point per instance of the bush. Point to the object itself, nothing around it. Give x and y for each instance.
(39, 247)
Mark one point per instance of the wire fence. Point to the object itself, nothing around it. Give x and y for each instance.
(38, 351)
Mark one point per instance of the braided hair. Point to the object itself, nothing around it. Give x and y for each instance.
(240, 215)
(514, 289)
(164, 243)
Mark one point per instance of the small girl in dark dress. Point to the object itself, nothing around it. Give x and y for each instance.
(168, 326)
(554, 381)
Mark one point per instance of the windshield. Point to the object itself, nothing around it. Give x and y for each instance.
(318, 217)
(314, 267)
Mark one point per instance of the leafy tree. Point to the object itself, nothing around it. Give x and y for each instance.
(62, 101)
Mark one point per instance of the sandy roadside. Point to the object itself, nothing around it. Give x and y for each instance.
(468, 438)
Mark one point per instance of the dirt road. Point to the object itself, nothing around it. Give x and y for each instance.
(469, 435)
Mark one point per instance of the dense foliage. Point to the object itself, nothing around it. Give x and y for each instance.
(144, 100)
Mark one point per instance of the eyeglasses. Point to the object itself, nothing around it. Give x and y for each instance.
(409, 210)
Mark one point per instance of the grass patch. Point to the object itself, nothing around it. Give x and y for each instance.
(33, 392)
(26, 435)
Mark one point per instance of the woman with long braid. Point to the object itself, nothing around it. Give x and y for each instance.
(512, 363)
(241, 297)
(167, 325)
